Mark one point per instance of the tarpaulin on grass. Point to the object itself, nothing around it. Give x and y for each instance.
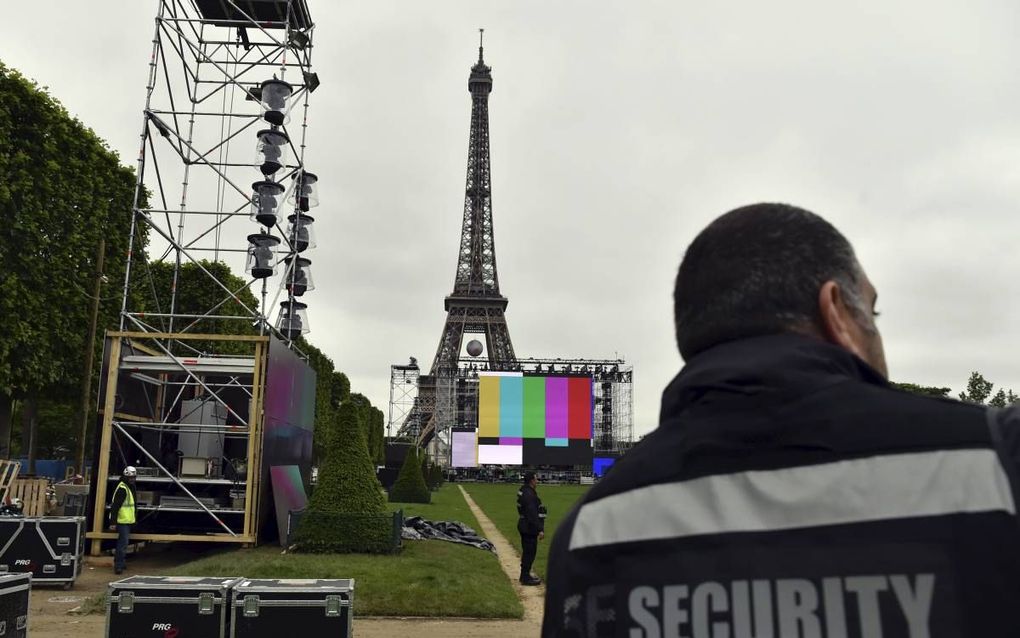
(417, 528)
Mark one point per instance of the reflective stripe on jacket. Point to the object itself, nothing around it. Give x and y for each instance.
(790, 492)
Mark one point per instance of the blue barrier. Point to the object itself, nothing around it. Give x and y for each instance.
(54, 469)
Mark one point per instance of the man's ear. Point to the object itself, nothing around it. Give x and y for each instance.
(839, 326)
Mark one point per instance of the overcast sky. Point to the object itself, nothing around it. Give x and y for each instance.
(618, 131)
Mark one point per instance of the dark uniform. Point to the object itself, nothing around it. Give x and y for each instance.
(790, 492)
(531, 521)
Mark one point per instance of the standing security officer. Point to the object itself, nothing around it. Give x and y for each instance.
(122, 514)
(789, 490)
(531, 525)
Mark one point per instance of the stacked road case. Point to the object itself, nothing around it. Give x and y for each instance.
(184, 606)
(168, 606)
(272, 608)
(14, 595)
(51, 549)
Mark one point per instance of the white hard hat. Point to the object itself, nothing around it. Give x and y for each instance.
(130, 471)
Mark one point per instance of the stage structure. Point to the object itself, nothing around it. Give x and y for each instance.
(403, 394)
(475, 308)
(595, 412)
(211, 399)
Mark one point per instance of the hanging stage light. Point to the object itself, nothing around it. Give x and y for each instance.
(304, 191)
(265, 203)
(271, 151)
(261, 253)
(298, 280)
(300, 231)
(275, 96)
(293, 320)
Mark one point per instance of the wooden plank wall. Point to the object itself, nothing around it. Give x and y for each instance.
(32, 492)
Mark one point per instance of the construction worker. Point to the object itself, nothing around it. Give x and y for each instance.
(790, 490)
(122, 515)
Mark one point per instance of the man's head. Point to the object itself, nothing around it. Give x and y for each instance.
(129, 474)
(530, 478)
(774, 268)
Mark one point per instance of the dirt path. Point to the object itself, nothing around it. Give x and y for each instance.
(49, 617)
(533, 598)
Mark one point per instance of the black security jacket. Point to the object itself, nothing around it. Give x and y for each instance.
(790, 491)
(529, 518)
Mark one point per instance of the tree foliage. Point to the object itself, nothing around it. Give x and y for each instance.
(432, 473)
(410, 485)
(61, 190)
(979, 390)
(199, 294)
(931, 391)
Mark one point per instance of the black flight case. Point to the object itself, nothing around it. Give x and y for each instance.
(160, 606)
(51, 548)
(273, 608)
(14, 595)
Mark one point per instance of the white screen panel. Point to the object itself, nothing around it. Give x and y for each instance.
(500, 454)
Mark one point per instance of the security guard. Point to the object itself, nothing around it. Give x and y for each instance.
(122, 515)
(790, 491)
(530, 525)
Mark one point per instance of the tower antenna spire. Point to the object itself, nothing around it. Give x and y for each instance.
(481, 42)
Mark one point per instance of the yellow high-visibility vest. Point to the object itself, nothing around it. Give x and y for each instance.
(126, 513)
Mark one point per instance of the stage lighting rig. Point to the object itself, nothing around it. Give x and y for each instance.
(261, 255)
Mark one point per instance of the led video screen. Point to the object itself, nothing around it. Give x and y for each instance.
(601, 464)
(464, 448)
(531, 419)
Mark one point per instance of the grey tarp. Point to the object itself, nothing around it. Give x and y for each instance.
(417, 528)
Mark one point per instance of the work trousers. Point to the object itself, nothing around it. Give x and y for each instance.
(529, 545)
(123, 531)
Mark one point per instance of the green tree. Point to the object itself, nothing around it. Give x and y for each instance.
(199, 294)
(978, 389)
(931, 391)
(364, 407)
(377, 436)
(61, 190)
(410, 484)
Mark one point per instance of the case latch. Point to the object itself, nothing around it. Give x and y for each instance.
(206, 603)
(251, 606)
(126, 602)
(333, 606)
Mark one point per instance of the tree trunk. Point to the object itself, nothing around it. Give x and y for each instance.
(29, 425)
(6, 414)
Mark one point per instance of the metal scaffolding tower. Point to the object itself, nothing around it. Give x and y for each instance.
(223, 80)
(221, 187)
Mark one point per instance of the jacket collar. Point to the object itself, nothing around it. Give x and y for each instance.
(762, 369)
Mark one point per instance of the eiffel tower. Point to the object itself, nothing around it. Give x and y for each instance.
(476, 305)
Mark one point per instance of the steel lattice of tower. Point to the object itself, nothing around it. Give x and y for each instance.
(475, 306)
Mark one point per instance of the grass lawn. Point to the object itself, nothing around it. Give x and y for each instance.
(427, 578)
(499, 502)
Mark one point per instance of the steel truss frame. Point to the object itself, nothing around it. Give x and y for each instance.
(167, 378)
(195, 166)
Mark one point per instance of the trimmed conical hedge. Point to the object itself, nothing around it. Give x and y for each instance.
(347, 510)
(410, 486)
(347, 482)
